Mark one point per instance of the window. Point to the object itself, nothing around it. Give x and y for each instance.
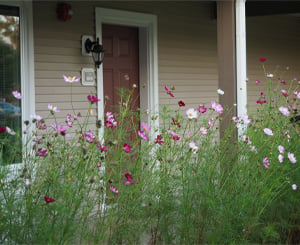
(16, 74)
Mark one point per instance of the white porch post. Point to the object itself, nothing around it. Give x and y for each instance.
(241, 64)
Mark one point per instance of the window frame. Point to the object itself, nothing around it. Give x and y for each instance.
(26, 62)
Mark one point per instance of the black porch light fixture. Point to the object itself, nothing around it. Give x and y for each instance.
(96, 49)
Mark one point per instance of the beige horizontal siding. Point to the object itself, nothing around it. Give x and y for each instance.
(187, 51)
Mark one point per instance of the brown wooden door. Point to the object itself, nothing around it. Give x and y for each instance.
(121, 63)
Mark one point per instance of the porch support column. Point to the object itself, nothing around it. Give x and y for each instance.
(231, 30)
(241, 68)
(226, 59)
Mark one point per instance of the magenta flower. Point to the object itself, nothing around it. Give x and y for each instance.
(127, 148)
(89, 136)
(292, 158)
(71, 79)
(48, 199)
(114, 189)
(159, 140)
(99, 164)
(266, 162)
(169, 92)
(257, 82)
(181, 103)
(41, 152)
(102, 148)
(262, 99)
(268, 131)
(282, 81)
(145, 127)
(262, 59)
(93, 99)
(17, 95)
(202, 109)
(143, 135)
(176, 123)
(284, 110)
(128, 180)
(2, 129)
(174, 135)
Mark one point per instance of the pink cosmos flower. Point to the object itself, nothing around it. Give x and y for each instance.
(89, 136)
(169, 92)
(10, 131)
(284, 110)
(192, 113)
(17, 95)
(93, 99)
(102, 148)
(110, 121)
(257, 82)
(69, 120)
(143, 135)
(284, 92)
(202, 109)
(266, 162)
(159, 140)
(203, 130)
(127, 148)
(128, 180)
(294, 187)
(99, 164)
(52, 108)
(114, 189)
(281, 149)
(292, 158)
(48, 199)
(60, 129)
(262, 59)
(280, 158)
(216, 107)
(297, 93)
(36, 118)
(71, 79)
(210, 122)
(268, 131)
(145, 127)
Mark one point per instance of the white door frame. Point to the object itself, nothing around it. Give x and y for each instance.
(148, 61)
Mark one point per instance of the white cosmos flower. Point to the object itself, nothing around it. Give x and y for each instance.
(268, 131)
(192, 113)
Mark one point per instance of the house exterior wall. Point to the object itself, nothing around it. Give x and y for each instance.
(276, 38)
(187, 51)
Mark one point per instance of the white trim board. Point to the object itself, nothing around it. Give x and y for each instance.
(148, 60)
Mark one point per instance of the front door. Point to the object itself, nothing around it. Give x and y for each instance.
(121, 63)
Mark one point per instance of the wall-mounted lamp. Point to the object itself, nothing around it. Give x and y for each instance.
(95, 49)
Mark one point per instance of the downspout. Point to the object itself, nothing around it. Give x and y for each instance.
(241, 63)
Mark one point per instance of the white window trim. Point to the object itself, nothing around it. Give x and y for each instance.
(148, 61)
(26, 59)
